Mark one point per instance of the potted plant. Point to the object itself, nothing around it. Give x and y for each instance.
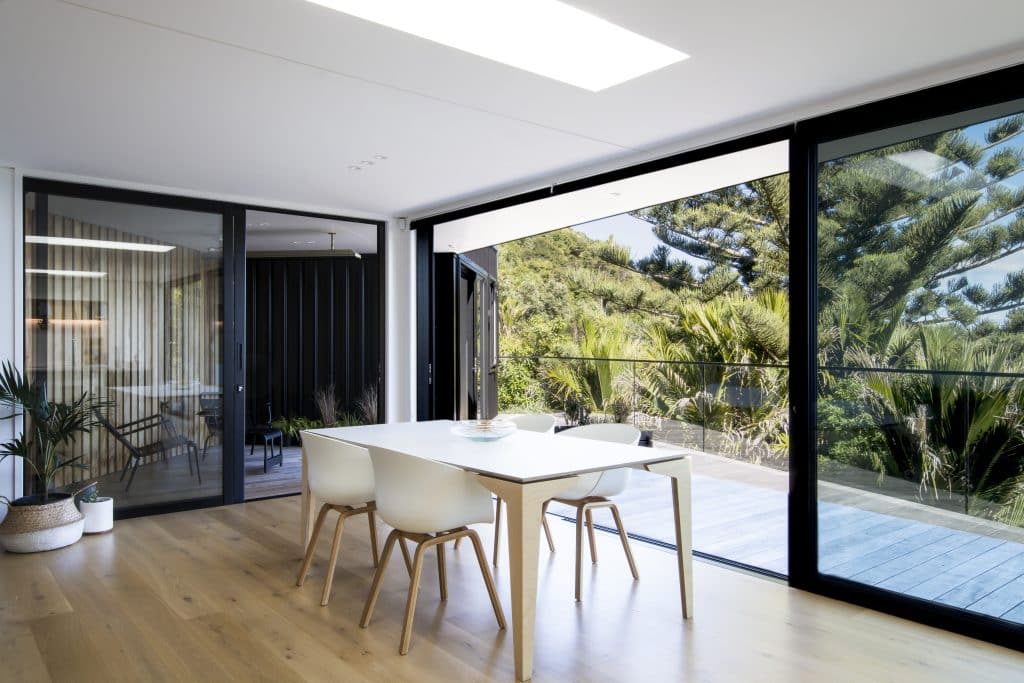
(46, 520)
(98, 511)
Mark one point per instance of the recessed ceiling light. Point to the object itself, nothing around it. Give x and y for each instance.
(65, 273)
(379, 157)
(353, 167)
(615, 194)
(96, 244)
(545, 37)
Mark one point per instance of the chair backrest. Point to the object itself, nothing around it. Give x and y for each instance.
(212, 408)
(115, 432)
(338, 472)
(609, 482)
(423, 496)
(615, 432)
(535, 422)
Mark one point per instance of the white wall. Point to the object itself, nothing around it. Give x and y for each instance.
(400, 322)
(10, 304)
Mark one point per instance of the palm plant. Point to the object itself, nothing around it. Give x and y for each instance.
(600, 379)
(958, 426)
(50, 428)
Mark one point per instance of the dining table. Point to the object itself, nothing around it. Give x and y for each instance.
(526, 469)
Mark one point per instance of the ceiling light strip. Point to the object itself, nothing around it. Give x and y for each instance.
(96, 244)
(65, 273)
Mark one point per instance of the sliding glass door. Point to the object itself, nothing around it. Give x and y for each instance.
(920, 372)
(125, 302)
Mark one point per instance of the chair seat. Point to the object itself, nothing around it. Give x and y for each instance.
(261, 433)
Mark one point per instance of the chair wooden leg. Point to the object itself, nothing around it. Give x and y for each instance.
(497, 530)
(625, 541)
(335, 546)
(458, 542)
(499, 613)
(378, 578)
(547, 529)
(372, 516)
(579, 549)
(405, 555)
(590, 536)
(264, 456)
(410, 603)
(442, 572)
(311, 548)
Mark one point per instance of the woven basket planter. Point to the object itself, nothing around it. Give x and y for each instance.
(35, 528)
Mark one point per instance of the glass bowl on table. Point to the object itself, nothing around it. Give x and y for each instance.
(484, 430)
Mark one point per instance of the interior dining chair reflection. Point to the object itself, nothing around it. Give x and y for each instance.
(428, 503)
(340, 476)
(592, 491)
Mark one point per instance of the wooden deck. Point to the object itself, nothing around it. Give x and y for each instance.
(740, 513)
(163, 481)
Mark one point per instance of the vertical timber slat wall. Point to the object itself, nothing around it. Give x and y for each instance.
(108, 335)
(312, 321)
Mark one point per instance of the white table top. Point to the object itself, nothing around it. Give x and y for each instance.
(521, 457)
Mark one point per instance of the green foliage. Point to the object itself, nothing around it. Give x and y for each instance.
(50, 428)
(913, 243)
(292, 426)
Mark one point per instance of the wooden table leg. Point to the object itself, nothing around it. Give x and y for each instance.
(679, 473)
(523, 512)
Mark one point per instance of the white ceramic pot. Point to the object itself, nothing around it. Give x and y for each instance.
(99, 516)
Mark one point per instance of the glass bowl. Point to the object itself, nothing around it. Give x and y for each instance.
(484, 430)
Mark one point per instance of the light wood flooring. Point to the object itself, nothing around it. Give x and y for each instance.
(209, 595)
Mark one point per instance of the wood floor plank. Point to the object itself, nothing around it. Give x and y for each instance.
(40, 596)
(252, 623)
(20, 658)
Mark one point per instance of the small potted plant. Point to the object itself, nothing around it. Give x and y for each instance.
(45, 520)
(98, 511)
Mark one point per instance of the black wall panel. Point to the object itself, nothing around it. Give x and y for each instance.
(311, 321)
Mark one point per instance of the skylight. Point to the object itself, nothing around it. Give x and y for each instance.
(545, 37)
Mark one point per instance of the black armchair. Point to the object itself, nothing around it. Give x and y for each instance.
(268, 435)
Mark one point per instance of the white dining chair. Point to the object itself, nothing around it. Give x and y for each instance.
(592, 491)
(534, 422)
(428, 503)
(340, 475)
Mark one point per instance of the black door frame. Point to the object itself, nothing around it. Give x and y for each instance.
(233, 252)
(240, 301)
(234, 299)
(992, 88)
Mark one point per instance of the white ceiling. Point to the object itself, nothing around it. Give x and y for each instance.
(275, 99)
(278, 232)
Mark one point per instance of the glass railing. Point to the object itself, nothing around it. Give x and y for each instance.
(736, 414)
(735, 410)
(940, 449)
(949, 440)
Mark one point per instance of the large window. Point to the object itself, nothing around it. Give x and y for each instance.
(674, 318)
(125, 302)
(920, 421)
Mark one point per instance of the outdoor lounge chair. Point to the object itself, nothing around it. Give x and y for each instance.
(159, 438)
